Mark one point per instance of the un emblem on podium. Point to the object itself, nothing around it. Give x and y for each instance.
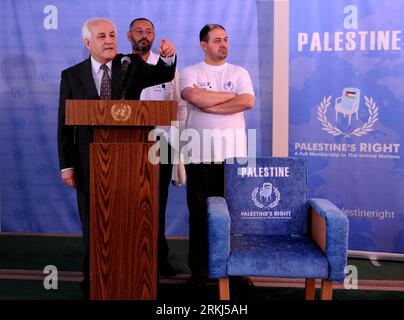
(121, 112)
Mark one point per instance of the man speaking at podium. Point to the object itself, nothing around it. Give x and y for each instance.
(104, 75)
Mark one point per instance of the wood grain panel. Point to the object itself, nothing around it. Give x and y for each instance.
(98, 112)
(123, 222)
(121, 134)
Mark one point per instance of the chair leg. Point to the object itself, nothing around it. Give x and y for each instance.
(224, 290)
(310, 289)
(326, 290)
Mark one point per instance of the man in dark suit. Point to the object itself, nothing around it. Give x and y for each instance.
(99, 77)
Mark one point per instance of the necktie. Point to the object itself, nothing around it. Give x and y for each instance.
(105, 91)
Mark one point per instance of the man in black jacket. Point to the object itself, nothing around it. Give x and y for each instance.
(99, 77)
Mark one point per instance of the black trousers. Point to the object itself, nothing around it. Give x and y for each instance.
(83, 203)
(203, 181)
(164, 185)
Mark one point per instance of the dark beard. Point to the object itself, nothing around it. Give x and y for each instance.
(141, 48)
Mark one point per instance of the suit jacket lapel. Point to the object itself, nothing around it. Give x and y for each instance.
(86, 77)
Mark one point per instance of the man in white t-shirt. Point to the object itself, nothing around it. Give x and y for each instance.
(141, 35)
(217, 93)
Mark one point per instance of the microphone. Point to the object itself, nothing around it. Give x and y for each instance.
(125, 61)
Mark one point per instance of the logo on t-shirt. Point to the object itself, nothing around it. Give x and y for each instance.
(160, 87)
(228, 85)
(204, 85)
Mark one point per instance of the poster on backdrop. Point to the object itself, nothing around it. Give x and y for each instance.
(346, 111)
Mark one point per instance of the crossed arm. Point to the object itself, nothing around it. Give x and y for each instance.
(218, 102)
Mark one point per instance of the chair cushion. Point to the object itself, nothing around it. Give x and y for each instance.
(276, 256)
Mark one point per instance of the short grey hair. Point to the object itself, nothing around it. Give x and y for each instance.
(85, 31)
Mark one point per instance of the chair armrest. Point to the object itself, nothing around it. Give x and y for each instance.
(218, 236)
(329, 229)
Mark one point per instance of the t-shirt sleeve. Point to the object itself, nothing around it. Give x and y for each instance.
(187, 79)
(244, 84)
(182, 104)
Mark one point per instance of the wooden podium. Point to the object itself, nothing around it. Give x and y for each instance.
(123, 194)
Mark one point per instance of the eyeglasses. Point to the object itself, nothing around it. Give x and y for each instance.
(139, 31)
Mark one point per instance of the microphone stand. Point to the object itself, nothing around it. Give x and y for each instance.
(125, 66)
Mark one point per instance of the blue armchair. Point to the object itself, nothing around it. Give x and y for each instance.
(265, 226)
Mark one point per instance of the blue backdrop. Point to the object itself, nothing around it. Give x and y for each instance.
(346, 61)
(42, 38)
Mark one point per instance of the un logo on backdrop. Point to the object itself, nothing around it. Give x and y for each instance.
(41, 109)
(18, 155)
(346, 112)
(42, 140)
(42, 171)
(17, 92)
(18, 123)
(18, 61)
(42, 77)
(19, 185)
